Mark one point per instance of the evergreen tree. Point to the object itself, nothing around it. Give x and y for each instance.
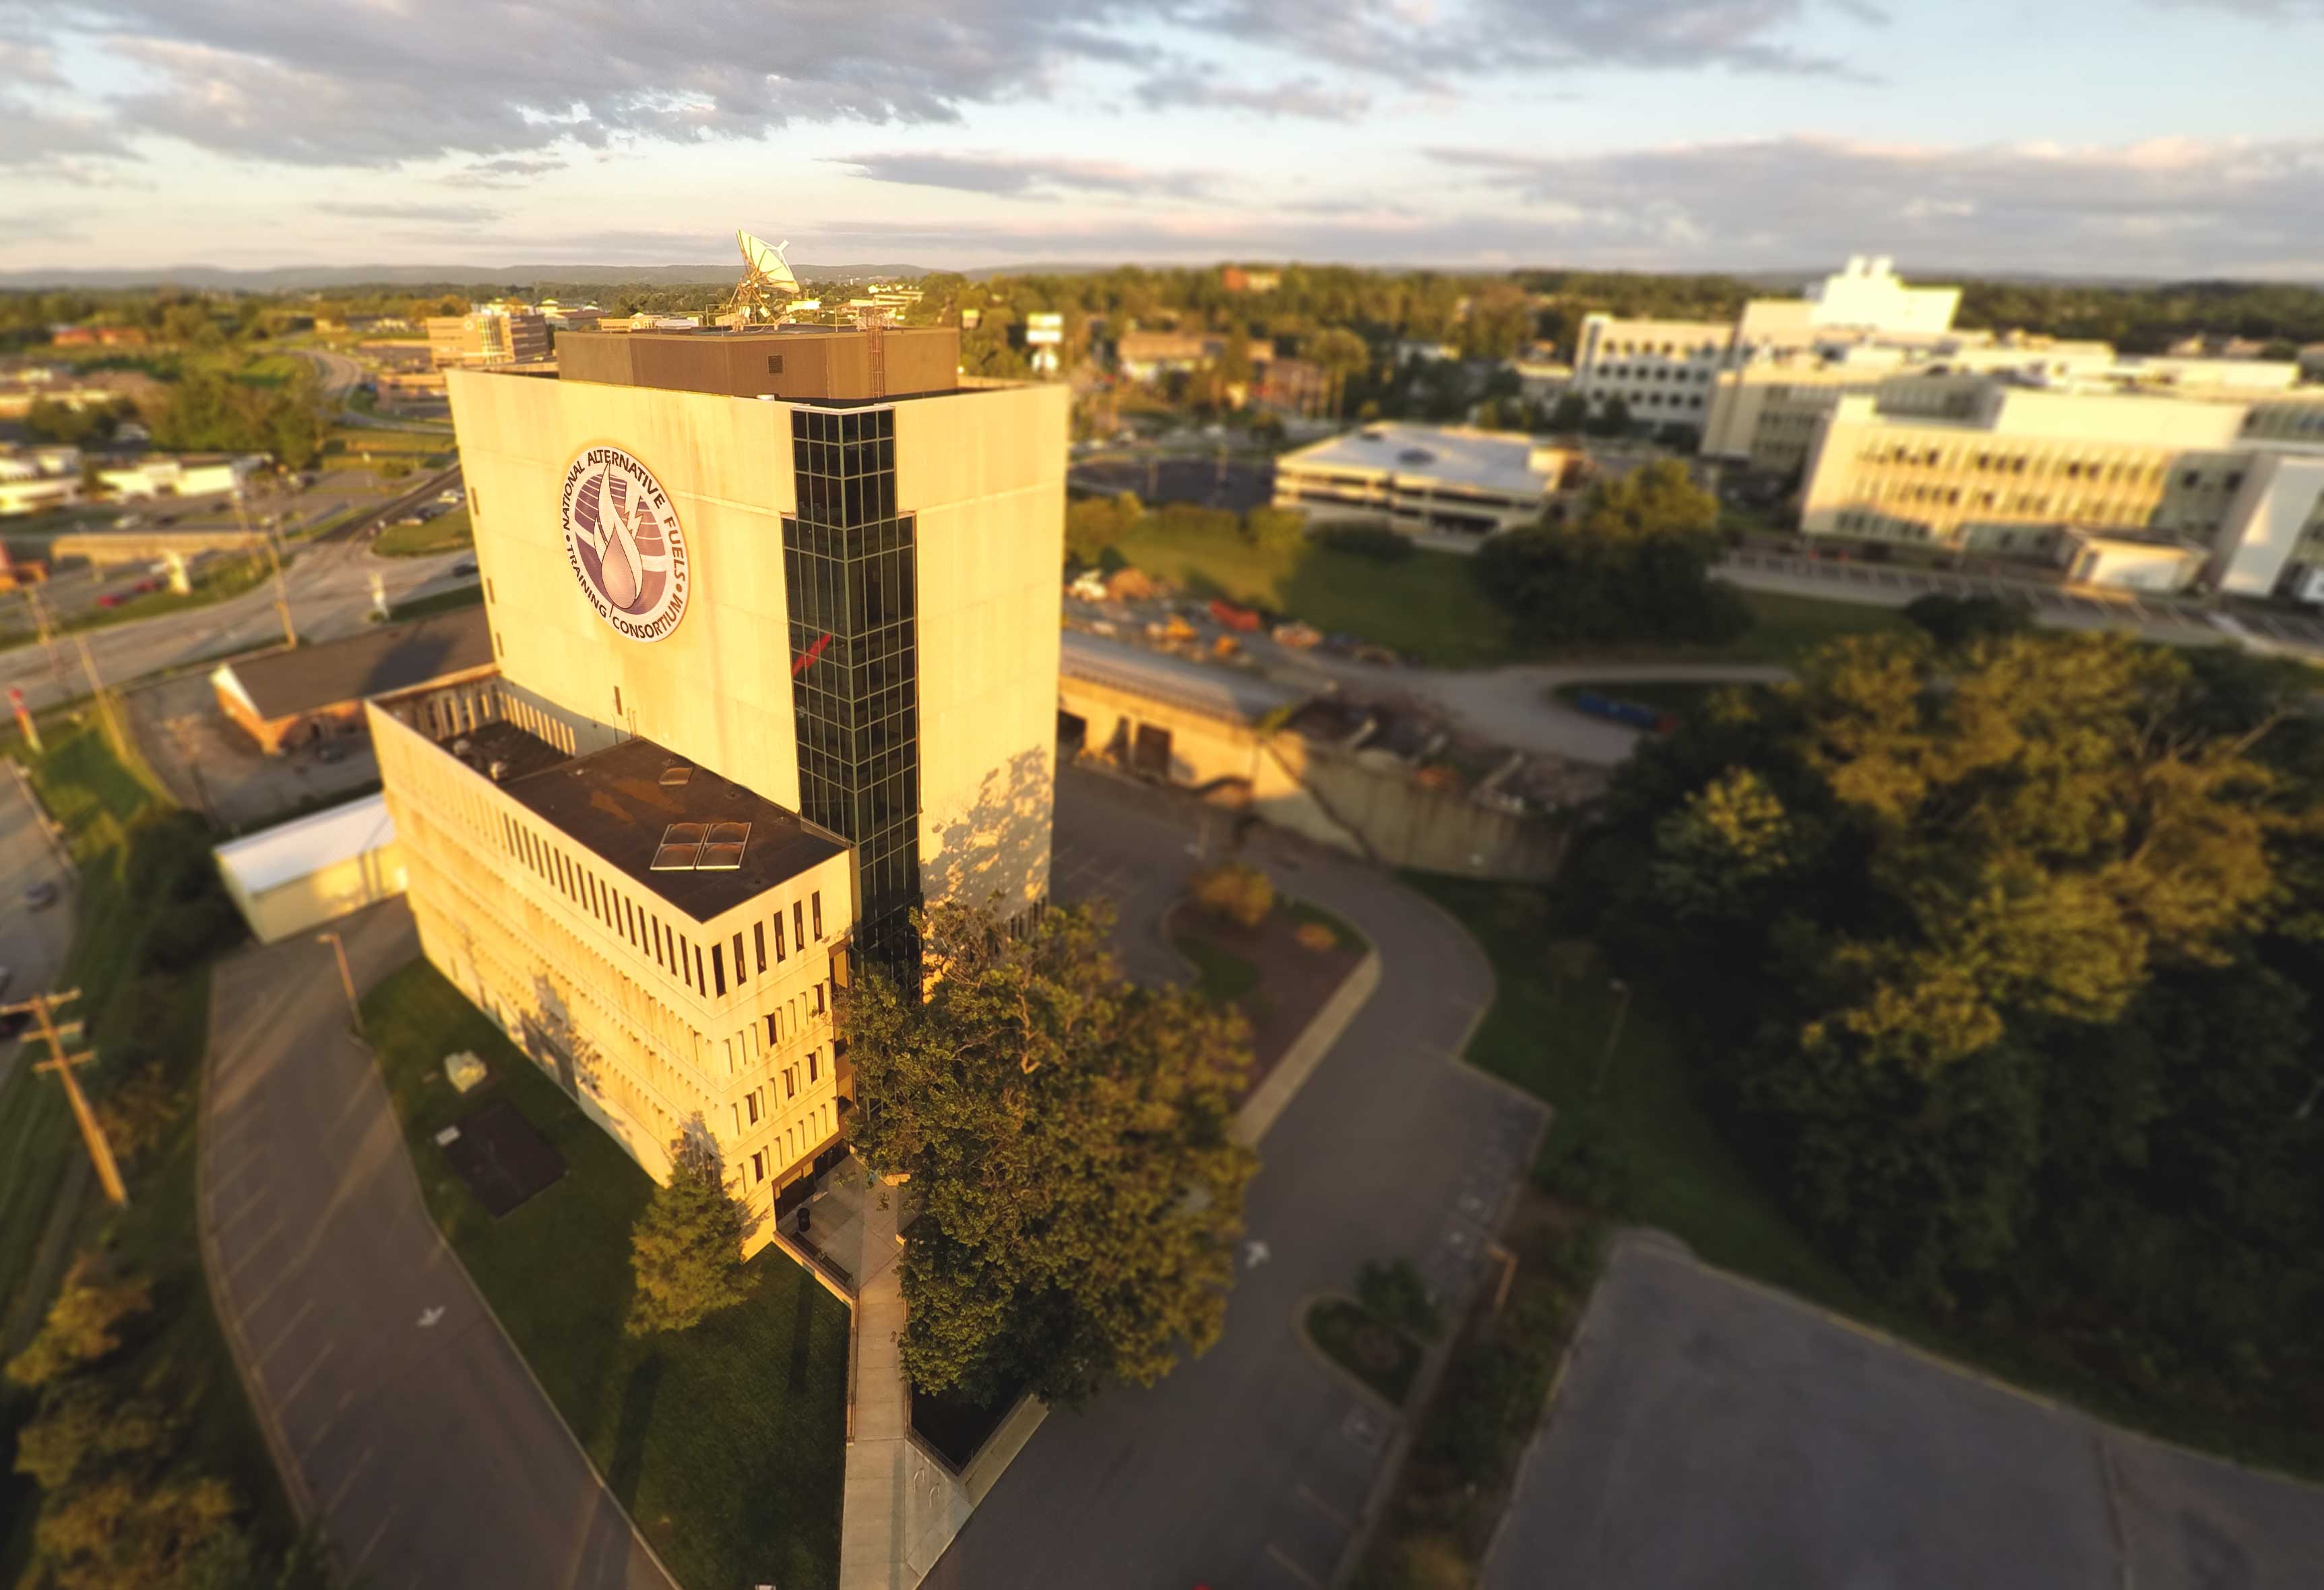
(687, 1248)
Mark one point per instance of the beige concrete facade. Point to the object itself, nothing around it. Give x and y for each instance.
(552, 942)
(2045, 475)
(728, 1033)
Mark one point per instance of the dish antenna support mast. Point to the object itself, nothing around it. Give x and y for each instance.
(767, 285)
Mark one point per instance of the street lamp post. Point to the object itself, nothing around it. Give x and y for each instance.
(346, 979)
(1621, 991)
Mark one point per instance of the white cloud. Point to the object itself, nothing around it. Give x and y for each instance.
(1025, 176)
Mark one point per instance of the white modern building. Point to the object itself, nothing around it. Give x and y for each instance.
(37, 478)
(1451, 483)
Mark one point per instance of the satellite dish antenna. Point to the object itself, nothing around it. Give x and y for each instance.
(767, 284)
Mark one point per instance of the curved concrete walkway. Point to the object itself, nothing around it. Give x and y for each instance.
(402, 1419)
(1251, 1465)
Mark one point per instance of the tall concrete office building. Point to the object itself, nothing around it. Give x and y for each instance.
(774, 616)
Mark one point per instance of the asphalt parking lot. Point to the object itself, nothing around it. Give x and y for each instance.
(1711, 1433)
(1237, 483)
(210, 765)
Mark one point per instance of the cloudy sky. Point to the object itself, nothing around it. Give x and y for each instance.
(2122, 136)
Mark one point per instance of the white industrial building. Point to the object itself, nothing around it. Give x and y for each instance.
(197, 474)
(1453, 483)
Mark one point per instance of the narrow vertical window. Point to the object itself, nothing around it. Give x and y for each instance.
(739, 973)
(697, 967)
(779, 951)
(718, 966)
(813, 1065)
(617, 701)
(759, 939)
(817, 898)
(798, 923)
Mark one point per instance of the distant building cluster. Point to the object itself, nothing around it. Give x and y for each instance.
(1863, 406)
(490, 334)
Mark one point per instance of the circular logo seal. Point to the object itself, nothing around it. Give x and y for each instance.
(623, 540)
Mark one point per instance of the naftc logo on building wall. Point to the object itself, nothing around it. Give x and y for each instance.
(622, 539)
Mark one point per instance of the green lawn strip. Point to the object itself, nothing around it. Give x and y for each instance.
(1430, 608)
(1427, 607)
(1377, 1354)
(444, 533)
(1221, 975)
(128, 842)
(725, 1442)
(1648, 1135)
(1680, 1173)
(1786, 628)
(450, 601)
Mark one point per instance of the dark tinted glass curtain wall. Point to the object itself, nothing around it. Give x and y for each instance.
(848, 560)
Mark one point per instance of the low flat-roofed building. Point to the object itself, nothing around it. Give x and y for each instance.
(1451, 482)
(1144, 355)
(311, 870)
(668, 943)
(292, 697)
(192, 474)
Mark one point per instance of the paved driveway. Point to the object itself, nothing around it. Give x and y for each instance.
(1709, 1433)
(409, 1425)
(1248, 1466)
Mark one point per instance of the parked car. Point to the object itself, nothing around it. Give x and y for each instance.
(1298, 636)
(464, 566)
(449, 496)
(111, 599)
(329, 751)
(40, 895)
(1632, 713)
(1088, 587)
(1232, 616)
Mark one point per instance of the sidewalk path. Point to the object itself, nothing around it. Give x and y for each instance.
(404, 1421)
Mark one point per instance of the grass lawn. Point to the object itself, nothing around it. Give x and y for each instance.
(1788, 627)
(446, 532)
(450, 601)
(1221, 975)
(1677, 1172)
(139, 1010)
(726, 1442)
(1680, 1175)
(1382, 1357)
(1428, 606)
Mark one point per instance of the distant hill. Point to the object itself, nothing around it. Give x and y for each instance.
(291, 278)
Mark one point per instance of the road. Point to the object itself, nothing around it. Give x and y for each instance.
(330, 583)
(1711, 1433)
(33, 943)
(405, 1421)
(337, 375)
(1248, 1466)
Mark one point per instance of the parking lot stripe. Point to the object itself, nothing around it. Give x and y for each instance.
(1282, 1559)
(1322, 1506)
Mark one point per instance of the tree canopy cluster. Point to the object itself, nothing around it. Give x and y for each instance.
(1634, 563)
(1063, 1132)
(208, 411)
(2001, 960)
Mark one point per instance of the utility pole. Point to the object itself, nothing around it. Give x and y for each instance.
(104, 701)
(1614, 1036)
(346, 980)
(273, 556)
(48, 633)
(42, 1007)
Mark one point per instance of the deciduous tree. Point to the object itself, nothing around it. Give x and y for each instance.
(1066, 1137)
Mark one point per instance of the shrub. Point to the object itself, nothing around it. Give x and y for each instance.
(84, 1324)
(80, 1428)
(1395, 1293)
(1316, 937)
(191, 932)
(1236, 891)
(1367, 540)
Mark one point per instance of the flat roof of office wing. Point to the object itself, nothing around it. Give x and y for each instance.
(628, 807)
